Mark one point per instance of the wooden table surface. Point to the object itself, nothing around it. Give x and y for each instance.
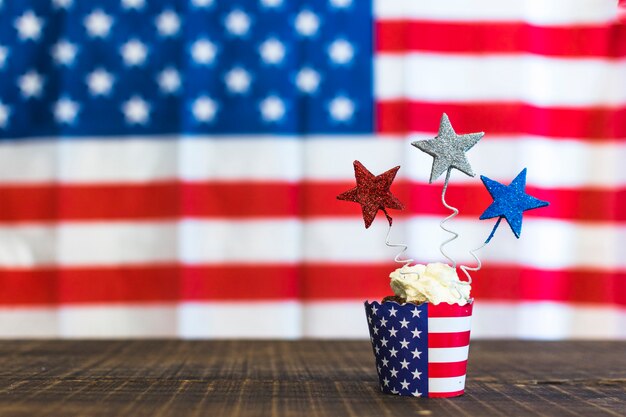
(305, 378)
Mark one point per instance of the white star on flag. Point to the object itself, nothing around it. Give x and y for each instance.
(272, 51)
(136, 110)
(98, 24)
(29, 26)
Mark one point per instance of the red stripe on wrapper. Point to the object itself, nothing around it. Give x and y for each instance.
(447, 370)
(446, 340)
(449, 310)
(446, 394)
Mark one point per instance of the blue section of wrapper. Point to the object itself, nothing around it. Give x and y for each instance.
(399, 336)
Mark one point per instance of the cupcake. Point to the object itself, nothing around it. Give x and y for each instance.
(420, 336)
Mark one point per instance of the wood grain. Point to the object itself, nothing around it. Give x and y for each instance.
(306, 378)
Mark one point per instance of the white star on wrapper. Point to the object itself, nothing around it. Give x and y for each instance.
(272, 109)
(392, 332)
(237, 22)
(377, 349)
(133, 4)
(5, 113)
(203, 51)
(416, 333)
(202, 3)
(65, 111)
(416, 374)
(98, 24)
(405, 364)
(167, 23)
(394, 372)
(136, 110)
(31, 84)
(416, 354)
(204, 109)
(416, 393)
(134, 52)
(341, 109)
(307, 80)
(375, 329)
(393, 352)
(415, 313)
(169, 80)
(28, 26)
(63, 4)
(374, 310)
(272, 51)
(385, 361)
(341, 4)
(4, 53)
(99, 82)
(383, 322)
(392, 312)
(341, 52)
(237, 80)
(405, 384)
(307, 23)
(404, 323)
(404, 344)
(386, 381)
(64, 52)
(383, 342)
(271, 3)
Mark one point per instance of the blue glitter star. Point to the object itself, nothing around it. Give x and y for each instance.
(509, 202)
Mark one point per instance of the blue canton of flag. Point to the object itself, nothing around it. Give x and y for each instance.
(188, 66)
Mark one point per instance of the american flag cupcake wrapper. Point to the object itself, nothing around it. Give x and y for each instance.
(420, 350)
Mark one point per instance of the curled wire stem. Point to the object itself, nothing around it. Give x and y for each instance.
(479, 264)
(455, 212)
(403, 247)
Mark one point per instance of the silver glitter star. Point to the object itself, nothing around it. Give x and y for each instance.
(448, 149)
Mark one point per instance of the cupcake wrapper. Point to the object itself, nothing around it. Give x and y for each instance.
(420, 350)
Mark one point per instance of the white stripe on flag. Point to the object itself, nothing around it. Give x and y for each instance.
(250, 320)
(547, 321)
(318, 320)
(449, 324)
(452, 384)
(543, 81)
(107, 321)
(29, 322)
(541, 12)
(443, 355)
(570, 245)
(256, 158)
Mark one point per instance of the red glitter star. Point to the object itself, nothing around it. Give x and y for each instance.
(372, 193)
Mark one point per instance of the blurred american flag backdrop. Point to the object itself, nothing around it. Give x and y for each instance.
(169, 168)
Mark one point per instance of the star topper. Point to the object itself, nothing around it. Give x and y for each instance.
(448, 149)
(372, 193)
(509, 202)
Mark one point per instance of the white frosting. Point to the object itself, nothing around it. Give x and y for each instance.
(435, 283)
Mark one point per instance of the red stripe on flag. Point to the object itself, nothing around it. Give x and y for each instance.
(449, 310)
(277, 200)
(500, 38)
(446, 369)
(448, 340)
(240, 282)
(588, 123)
(308, 282)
